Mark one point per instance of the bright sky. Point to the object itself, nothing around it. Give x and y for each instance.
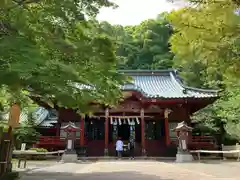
(132, 12)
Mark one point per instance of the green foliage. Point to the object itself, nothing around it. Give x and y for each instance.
(47, 47)
(39, 149)
(206, 46)
(144, 46)
(4, 125)
(26, 132)
(39, 156)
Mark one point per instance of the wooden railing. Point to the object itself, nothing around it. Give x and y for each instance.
(50, 140)
(53, 140)
(200, 142)
(195, 142)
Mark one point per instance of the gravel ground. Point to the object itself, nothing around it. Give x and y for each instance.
(139, 169)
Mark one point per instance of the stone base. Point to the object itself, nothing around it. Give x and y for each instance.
(184, 157)
(69, 157)
(105, 152)
(144, 153)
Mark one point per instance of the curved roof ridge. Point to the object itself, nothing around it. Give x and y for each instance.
(178, 80)
(202, 89)
(134, 87)
(147, 71)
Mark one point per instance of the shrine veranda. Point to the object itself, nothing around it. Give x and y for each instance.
(155, 102)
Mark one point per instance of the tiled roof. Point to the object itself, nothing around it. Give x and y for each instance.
(45, 117)
(163, 84)
(47, 123)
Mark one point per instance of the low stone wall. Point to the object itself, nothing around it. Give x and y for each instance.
(229, 148)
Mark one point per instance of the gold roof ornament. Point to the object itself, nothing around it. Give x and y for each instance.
(167, 111)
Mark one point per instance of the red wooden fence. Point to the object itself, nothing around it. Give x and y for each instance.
(195, 142)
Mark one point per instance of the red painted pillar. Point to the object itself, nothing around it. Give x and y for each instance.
(58, 129)
(166, 112)
(143, 132)
(106, 131)
(82, 122)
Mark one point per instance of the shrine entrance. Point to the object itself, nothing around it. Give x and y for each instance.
(128, 128)
(124, 131)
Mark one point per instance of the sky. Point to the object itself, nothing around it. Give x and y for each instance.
(132, 12)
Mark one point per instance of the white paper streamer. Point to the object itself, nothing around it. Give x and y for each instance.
(111, 120)
(129, 121)
(137, 121)
(119, 121)
(115, 122)
(133, 122)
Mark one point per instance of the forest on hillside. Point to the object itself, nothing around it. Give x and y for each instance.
(53, 48)
(143, 46)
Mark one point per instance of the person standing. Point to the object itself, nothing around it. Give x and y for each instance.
(131, 146)
(119, 147)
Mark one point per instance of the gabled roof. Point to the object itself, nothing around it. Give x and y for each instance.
(163, 84)
(44, 117)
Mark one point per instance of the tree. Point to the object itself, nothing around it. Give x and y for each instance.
(206, 44)
(49, 48)
(144, 46)
(26, 132)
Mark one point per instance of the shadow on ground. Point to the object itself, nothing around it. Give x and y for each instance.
(124, 175)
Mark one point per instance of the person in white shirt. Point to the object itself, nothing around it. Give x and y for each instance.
(119, 147)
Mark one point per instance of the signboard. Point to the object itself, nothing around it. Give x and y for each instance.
(69, 144)
(23, 146)
(184, 145)
(14, 116)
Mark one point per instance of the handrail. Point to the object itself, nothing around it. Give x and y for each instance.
(51, 140)
(193, 140)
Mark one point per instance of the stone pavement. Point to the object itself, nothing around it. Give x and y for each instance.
(141, 170)
(32, 165)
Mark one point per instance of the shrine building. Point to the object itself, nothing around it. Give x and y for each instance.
(154, 103)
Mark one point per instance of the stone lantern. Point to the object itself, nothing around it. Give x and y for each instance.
(70, 154)
(182, 130)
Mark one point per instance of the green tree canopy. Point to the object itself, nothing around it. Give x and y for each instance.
(206, 45)
(143, 46)
(49, 48)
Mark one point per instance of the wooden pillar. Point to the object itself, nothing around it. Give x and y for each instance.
(58, 126)
(143, 132)
(82, 122)
(166, 113)
(13, 122)
(106, 131)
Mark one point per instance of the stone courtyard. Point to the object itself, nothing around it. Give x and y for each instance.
(141, 170)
